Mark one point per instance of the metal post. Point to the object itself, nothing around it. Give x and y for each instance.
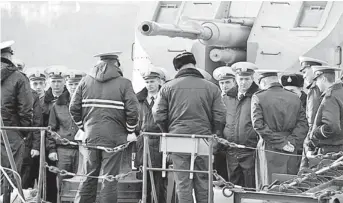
(145, 175)
(41, 188)
(210, 169)
(11, 159)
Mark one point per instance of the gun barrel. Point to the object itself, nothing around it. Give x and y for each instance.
(150, 28)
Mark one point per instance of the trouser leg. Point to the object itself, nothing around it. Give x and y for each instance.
(201, 180)
(88, 186)
(184, 185)
(111, 165)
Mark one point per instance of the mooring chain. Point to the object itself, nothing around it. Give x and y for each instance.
(109, 178)
(65, 141)
(234, 145)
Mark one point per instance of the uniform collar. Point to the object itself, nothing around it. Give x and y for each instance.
(274, 84)
(189, 72)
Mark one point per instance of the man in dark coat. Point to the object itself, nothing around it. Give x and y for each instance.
(326, 134)
(278, 118)
(105, 107)
(30, 169)
(56, 78)
(189, 104)
(16, 107)
(312, 102)
(241, 162)
(295, 83)
(146, 98)
(226, 79)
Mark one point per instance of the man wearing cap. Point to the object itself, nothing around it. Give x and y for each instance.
(61, 122)
(294, 83)
(226, 79)
(241, 162)
(16, 109)
(189, 104)
(278, 118)
(313, 98)
(326, 134)
(56, 80)
(146, 98)
(105, 107)
(30, 169)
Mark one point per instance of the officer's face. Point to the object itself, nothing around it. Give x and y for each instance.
(71, 86)
(152, 84)
(320, 82)
(226, 85)
(244, 82)
(57, 85)
(308, 75)
(38, 86)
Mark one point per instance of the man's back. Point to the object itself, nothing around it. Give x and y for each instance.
(189, 104)
(280, 108)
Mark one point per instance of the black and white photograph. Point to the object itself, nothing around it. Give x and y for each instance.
(171, 101)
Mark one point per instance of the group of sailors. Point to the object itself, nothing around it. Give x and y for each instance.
(280, 126)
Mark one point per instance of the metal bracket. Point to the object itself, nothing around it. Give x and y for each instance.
(279, 2)
(171, 50)
(271, 54)
(270, 26)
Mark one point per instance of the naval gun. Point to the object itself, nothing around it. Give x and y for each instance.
(217, 34)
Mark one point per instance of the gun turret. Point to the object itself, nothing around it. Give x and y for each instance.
(209, 33)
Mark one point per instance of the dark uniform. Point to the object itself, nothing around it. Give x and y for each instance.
(312, 104)
(31, 170)
(147, 124)
(241, 162)
(16, 107)
(278, 118)
(296, 81)
(222, 74)
(326, 134)
(53, 72)
(105, 107)
(189, 105)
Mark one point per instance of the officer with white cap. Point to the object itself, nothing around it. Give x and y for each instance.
(278, 118)
(327, 132)
(105, 107)
(226, 78)
(6, 50)
(61, 122)
(241, 163)
(147, 97)
(16, 110)
(37, 79)
(313, 94)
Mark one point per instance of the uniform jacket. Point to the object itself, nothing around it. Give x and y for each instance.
(16, 101)
(61, 122)
(230, 100)
(147, 124)
(105, 106)
(312, 104)
(278, 117)
(244, 133)
(33, 140)
(48, 101)
(328, 124)
(189, 105)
